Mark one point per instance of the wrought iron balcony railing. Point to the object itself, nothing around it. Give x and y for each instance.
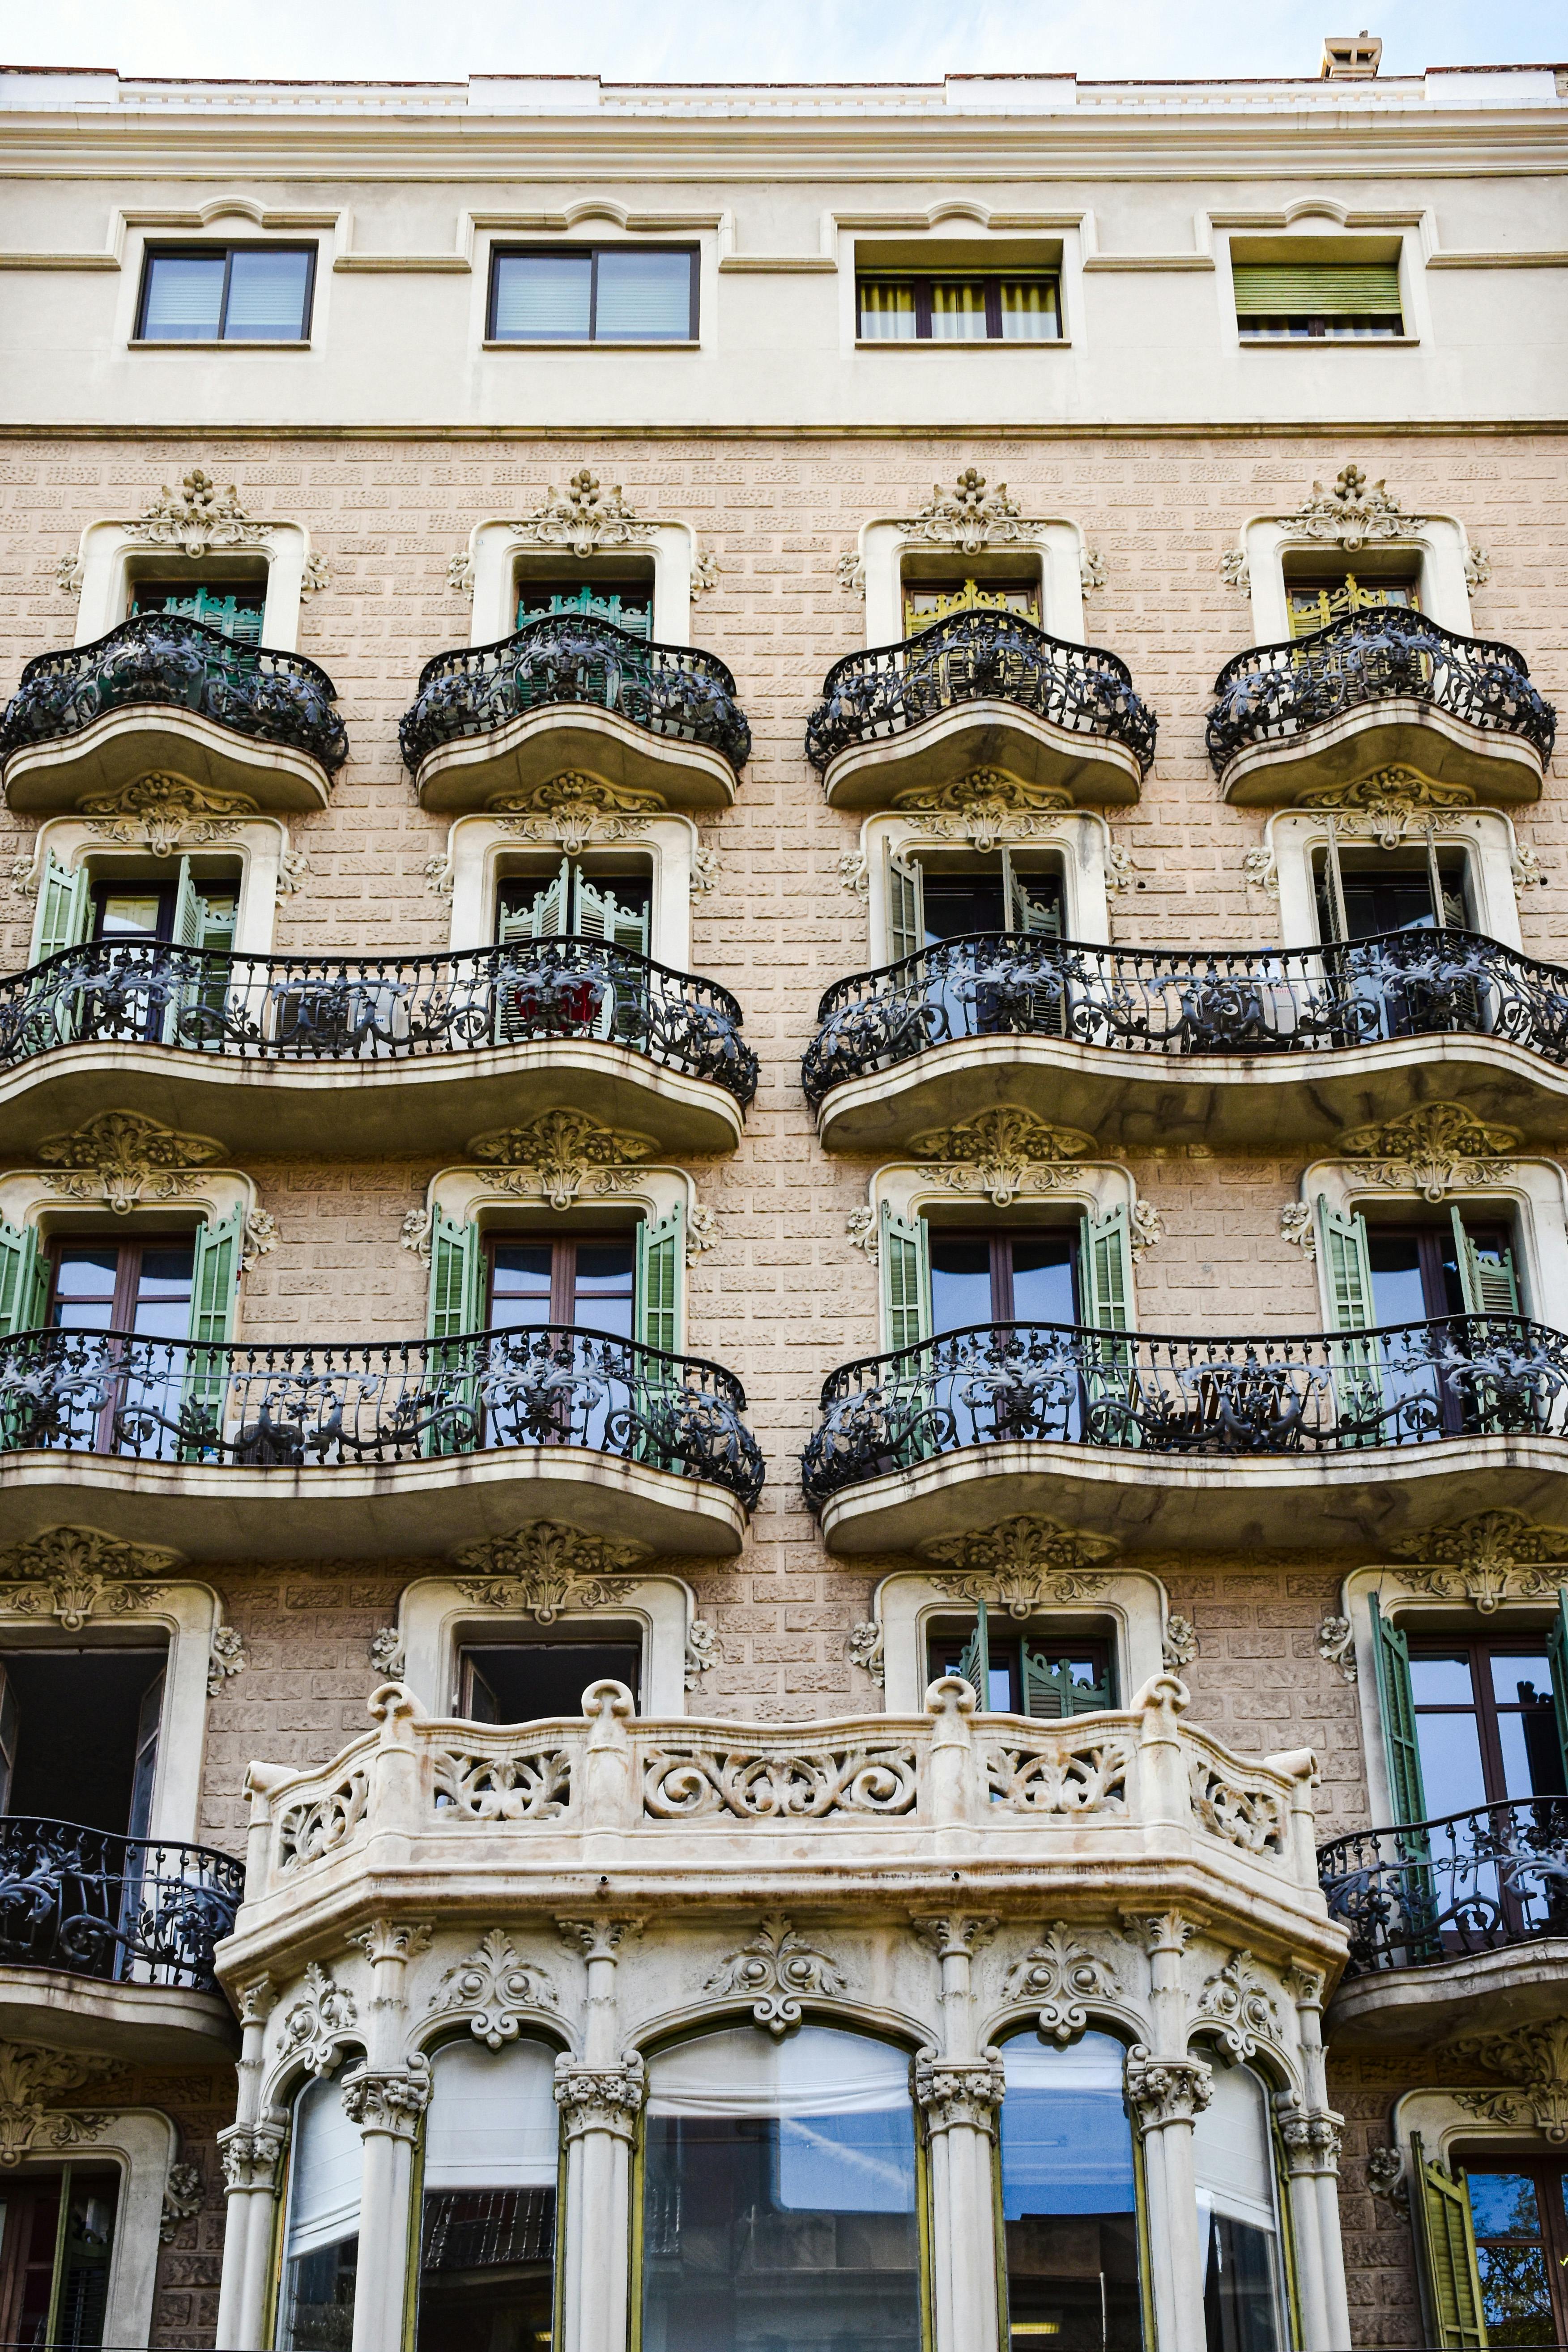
(979, 656)
(296, 1009)
(124, 1910)
(1187, 1000)
(1274, 693)
(1432, 1891)
(161, 658)
(1008, 1383)
(569, 658)
(262, 1407)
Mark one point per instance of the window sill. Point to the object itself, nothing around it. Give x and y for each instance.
(212, 343)
(515, 343)
(992, 344)
(1327, 343)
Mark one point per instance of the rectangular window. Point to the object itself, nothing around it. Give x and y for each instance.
(82, 1729)
(522, 1681)
(586, 1281)
(1002, 1277)
(1035, 1671)
(625, 602)
(1318, 299)
(594, 294)
(926, 601)
(1367, 895)
(959, 308)
(228, 294)
(1319, 599)
(56, 2245)
(1486, 1723)
(235, 608)
(1521, 2250)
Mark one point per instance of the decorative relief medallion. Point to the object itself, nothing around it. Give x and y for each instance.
(316, 576)
(584, 518)
(31, 2079)
(315, 2027)
(1241, 2003)
(1386, 2174)
(1435, 1149)
(76, 1573)
(386, 1650)
(1064, 1976)
(163, 812)
(775, 1972)
(198, 517)
(553, 1155)
(1489, 1557)
(544, 1569)
(1235, 570)
(69, 576)
(1298, 1227)
(123, 1159)
(970, 517)
(1003, 1152)
(1352, 513)
(493, 1990)
(1178, 1644)
(1023, 1564)
(183, 2194)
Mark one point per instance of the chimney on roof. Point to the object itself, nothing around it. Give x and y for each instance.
(1350, 57)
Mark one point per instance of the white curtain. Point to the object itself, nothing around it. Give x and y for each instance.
(814, 2072)
(1232, 2156)
(493, 2117)
(325, 2179)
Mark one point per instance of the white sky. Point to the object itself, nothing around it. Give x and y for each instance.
(728, 40)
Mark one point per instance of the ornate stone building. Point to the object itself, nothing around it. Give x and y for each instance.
(784, 1439)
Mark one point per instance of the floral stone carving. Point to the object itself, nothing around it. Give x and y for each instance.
(572, 807)
(315, 2027)
(1534, 2059)
(1063, 1975)
(775, 1972)
(198, 517)
(1005, 1152)
(1336, 1646)
(1389, 801)
(968, 516)
(75, 1573)
(544, 1568)
(31, 2078)
(553, 1154)
(164, 810)
(1161, 2091)
(1434, 1148)
(1022, 1563)
(121, 1159)
(962, 2096)
(583, 518)
(1242, 2004)
(493, 1990)
(183, 2194)
(1486, 1557)
(599, 2098)
(1352, 513)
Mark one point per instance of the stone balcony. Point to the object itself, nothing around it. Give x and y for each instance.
(1451, 1920)
(363, 1450)
(372, 1054)
(460, 1817)
(1235, 1048)
(161, 694)
(574, 694)
(105, 1943)
(980, 689)
(1189, 1442)
(1296, 723)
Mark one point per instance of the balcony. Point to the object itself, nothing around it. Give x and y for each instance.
(461, 1817)
(361, 1450)
(975, 690)
(1216, 1443)
(1297, 722)
(1450, 1920)
(572, 692)
(105, 1943)
(162, 693)
(371, 1052)
(1246, 1049)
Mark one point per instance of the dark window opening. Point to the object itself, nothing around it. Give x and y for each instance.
(487, 2270)
(586, 1280)
(932, 898)
(1007, 1276)
(230, 294)
(1390, 893)
(523, 1682)
(1417, 1273)
(57, 2244)
(594, 294)
(79, 1736)
(1034, 1670)
(957, 307)
(234, 607)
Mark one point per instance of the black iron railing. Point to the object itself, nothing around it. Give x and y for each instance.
(164, 659)
(1002, 1383)
(1274, 693)
(127, 1910)
(569, 658)
(979, 656)
(375, 1008)
(1431, 1891)
(327, 1406)
(1187, 1000)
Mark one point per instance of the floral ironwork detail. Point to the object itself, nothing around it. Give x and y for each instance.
(493, 1990)
(1005, 1152)
(122, 1158)
(544, 1569)
(1425, 1891)
(87, 1903)
(1066, 1976)
(776, 1971)
(1436, 1147)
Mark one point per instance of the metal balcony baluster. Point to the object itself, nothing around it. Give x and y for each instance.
(124, 1910)
(1431, 1891)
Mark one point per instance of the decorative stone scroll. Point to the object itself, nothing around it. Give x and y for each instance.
(1161, 2091)
(1354, 512)
(574, 808)
(318, 1827)
(1239, 2001)
(31, 2079)
(766, 1781)
(1436, 1148)
(703, 1652)
(525, 1783)
(583, 517)
(1088, 1776)
(1253, 1818)
(970, 517)
(544, 1569)
(386, 1653)
(493, 1990)
(198, 517)
(553, 1156)
(76, 1573)
(1063, 1975)
(163, 811)
(1389, 804)
(121, 1159)
(1336, 1646)
(865, 1650)
(183, 2194)
(775, 1972)
(1534, 2059)
(1005, 1152)
(1023, 1564)
(1488, 1559)
(316, 2026)
(1178, 1642)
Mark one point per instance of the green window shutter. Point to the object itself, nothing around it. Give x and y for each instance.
(598, 915)
(214, 1285)
(1487, 1278)
(1050, 1693)
(904, 1248)
(1105, 1270)
(1342, 1240)
(188, 909)
(1036, 918)
(457, 1278)
(974, 1659)
(23, 1280)
(218, 918)
(906, 927)
(65, 910)
(1396, 1705)
(545, 915)
(1445, 2244)
(661, 1281)
(1310, 291)
(1557, 1648)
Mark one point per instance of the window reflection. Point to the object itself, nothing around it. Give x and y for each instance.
(1233, 2162)
(1068, 2208)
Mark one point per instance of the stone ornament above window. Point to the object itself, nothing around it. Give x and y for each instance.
(163, 811)
(493, 1990)
(124, 1159)
(1005, 1152)
(198, 517)
(31, 2079)
(1435, 1149)
(1534, 2058)
(1388, 802)
(553, 1155)
(76, 1573)
(1352, 513)
(544, 1569)
(1023, 1563)
(1489, 1557)
(777, 1970)
(583, 518)
(970, 517)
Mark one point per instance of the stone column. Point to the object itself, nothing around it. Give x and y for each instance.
(386, 2097)
(959, 2091)
(600, 2097)
(1312, 2134)
(1166, 2096)
(251, 2150)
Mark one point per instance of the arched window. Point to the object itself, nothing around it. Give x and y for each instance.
(1069, 2203)
(486, 2247)
(320, 2250)
(1238, 2213)
(779, 2202)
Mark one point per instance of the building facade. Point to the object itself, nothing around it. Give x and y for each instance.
(785, 926)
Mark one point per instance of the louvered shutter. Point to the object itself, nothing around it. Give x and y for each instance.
(906, 927)
(1358, 1387)
(1105, 1275)
(1486, 1277)
(23, 1280)
(1050, 1693)
(660, 1276)
(1036, 918)
(1446, 2242)
(1557, 1650)
(544, 916)
(974, 1659)
(905, 1253)
(599, 915)
(1396, 1707)
(189, 925)
(214, 1293)
(457, 1278)
(9, 1727)
(1317, 289)
(65, 910)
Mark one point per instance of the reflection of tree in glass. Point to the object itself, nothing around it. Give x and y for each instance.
(1514, 2294)
(1502, 2205)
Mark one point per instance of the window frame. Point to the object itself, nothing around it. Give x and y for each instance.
(197, 251)
(1552, 2211)
(579, 1635)
(1480, 1649)
(562, 1248)
(1000, 1240)
(592, 340)
(990, 280)
(1044, 1640)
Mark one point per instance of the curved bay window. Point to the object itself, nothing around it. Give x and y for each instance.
(57, 2244)
(1069, 2204)
(780, 2195)
(1238, 2217)
(320, 2235)
(487, 2247)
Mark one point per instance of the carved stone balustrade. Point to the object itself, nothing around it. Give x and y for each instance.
(1381, 688)
(161, 693)
(366, 1054)
(1226, 1046)
(573, 692)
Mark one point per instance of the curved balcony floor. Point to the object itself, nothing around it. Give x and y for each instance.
(147, 2025)
(489, 771)
(120, 748)
(1323, 760)
(938, 752)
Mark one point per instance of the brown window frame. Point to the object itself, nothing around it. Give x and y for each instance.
(1481, 1649)
(1001, 1240)
(562, 1247)
(1551, 2179)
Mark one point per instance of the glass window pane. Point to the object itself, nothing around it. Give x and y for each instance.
(643, 298)
(1233, 2163)
(1531, 1751)
(321, 2242)
(184, 296)
(84, 1288)
(129, 915)
(887, 311)
(521, 1284)
(1452, 1780)
(541, 297)
(1438, 1681)
(1502, 2205)
(267, 298)
(958, 311)
(1068, 2202)
(1042, 1279)
(601, 1289)
(1397, 1295)
(1029, 310)
(1522, 1680)
(959, 1282)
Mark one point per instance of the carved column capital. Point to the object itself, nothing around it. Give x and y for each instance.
(1161, 2091)
(598, 1938)
(599, 2098)
(1313, 2139)
(965, 2095)
(956, 1934)
(251, 2155)
(1160, 1931)
(390, 2102)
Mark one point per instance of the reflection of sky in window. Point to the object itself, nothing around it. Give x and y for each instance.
(846, 2164)
(1067, 2146)
(1502, 2205)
